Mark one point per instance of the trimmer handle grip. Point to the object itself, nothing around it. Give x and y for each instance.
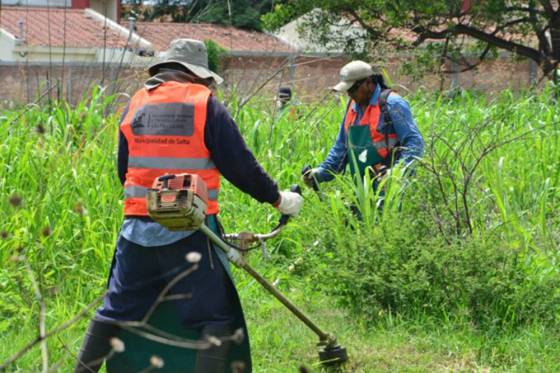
(284, 218)
(304, 171)
(165, 178)
(296, 189)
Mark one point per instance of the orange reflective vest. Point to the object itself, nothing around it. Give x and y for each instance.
(164, 128)
(383, 142)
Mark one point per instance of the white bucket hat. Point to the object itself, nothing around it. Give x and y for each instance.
(189, 53)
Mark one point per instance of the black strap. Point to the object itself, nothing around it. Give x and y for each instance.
(383, 96)
(384, 107)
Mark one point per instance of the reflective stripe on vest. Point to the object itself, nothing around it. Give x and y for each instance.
(383, 144)
(164, 129)
(171, 163)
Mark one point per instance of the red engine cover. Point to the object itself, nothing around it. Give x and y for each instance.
(178, 182)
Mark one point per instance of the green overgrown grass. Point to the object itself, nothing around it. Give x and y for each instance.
(458, 271)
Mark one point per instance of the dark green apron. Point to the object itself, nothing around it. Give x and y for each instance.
(361, 151)
(139, 350)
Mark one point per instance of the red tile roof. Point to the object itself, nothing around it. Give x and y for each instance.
(81, 30)
(160, 34)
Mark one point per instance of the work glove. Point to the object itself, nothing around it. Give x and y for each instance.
(290, 203)
(310, 178)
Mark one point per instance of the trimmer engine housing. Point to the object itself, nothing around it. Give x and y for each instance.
(178, 202)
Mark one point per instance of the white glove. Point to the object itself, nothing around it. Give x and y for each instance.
(290, 203)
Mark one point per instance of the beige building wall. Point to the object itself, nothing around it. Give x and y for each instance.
(312, 77)
(309, 77)
(31, 83)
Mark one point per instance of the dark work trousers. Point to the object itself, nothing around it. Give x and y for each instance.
(138, 276)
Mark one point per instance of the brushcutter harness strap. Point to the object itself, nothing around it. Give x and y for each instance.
(164, 128)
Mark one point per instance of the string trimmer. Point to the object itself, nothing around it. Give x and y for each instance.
(179, 202)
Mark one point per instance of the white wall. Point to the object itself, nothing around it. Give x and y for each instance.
(43, 3)
(305, 40)
(108, 6)
(101, 6)
(10, 52)
(7, 44)
(25, 53)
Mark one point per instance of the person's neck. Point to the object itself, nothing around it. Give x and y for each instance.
(364, 104)
(176, 75)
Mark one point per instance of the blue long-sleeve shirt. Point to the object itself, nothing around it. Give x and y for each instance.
(232, 158)
(405, 126)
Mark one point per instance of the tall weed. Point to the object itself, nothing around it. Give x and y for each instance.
(472, 234)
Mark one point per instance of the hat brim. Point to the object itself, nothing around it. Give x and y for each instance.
(200, 71)
(343, 86)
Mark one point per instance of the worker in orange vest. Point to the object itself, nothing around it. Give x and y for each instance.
(174, 125)
(378, 130)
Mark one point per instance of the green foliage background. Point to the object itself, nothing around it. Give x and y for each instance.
(475, 252)
(244, 14)
(460, 29)
(215, 54)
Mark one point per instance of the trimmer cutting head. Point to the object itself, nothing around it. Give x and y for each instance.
(333, 355)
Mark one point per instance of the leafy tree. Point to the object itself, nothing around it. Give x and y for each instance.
(530, 29)
(243, 14)
(215, 54)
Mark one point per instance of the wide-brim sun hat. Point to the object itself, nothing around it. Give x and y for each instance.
(351, 73)
(191, 54)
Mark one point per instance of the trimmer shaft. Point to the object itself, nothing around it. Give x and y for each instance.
(178, 202)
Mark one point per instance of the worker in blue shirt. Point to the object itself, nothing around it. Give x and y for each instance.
(377, 132)
(150, 259)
